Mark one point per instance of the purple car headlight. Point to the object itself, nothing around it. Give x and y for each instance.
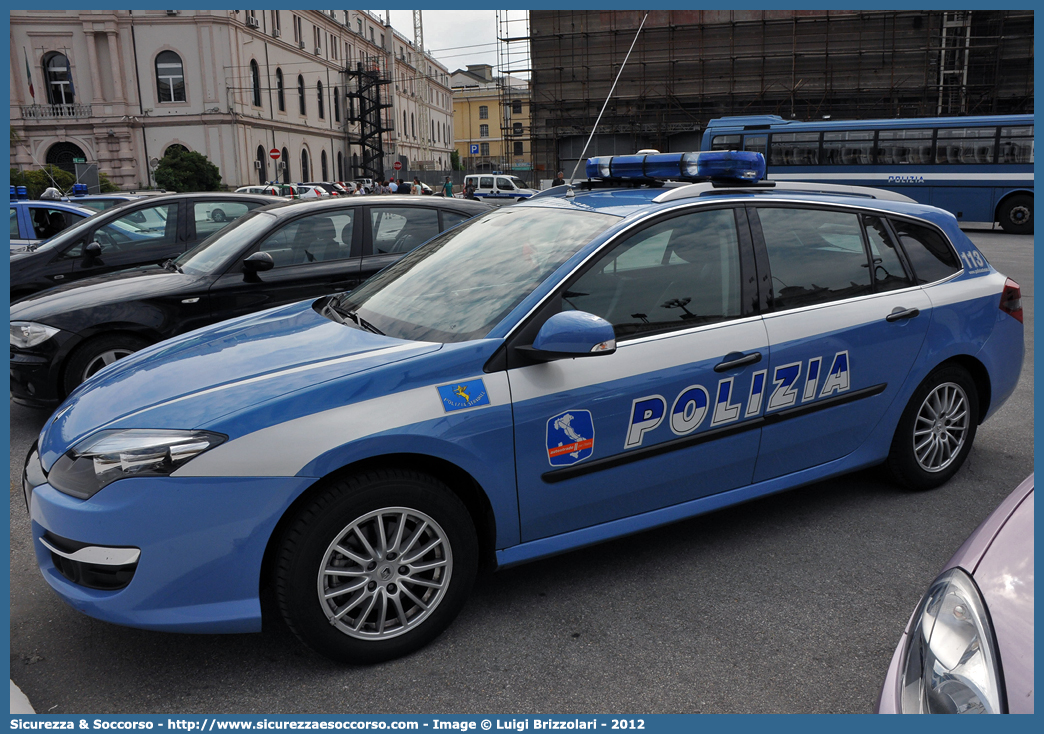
(951, 664)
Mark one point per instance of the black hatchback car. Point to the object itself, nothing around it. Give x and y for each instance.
(150, 230)
(277, 254)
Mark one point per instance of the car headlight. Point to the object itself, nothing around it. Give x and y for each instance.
(951, 664)
(25, 334)
(107, 456)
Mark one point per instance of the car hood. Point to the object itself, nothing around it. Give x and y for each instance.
(193, 379)
(150, 281)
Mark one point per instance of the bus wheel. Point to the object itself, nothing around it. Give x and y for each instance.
(1016, 214)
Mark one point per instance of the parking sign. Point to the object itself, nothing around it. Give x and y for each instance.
(474, 149)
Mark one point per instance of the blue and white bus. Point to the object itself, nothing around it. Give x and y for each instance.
(978, 168)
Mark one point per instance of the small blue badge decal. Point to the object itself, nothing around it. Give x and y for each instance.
(570, 437)
(461, 395)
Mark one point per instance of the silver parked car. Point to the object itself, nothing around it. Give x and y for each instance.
(968, 649)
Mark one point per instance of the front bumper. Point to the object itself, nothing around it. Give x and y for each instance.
(201, 543)
(36, 372)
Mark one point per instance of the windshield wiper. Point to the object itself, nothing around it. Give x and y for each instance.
(354, 316)
(332, 305)
(173, 266)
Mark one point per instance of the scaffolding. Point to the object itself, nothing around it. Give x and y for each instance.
(690, 66)
(513, 64)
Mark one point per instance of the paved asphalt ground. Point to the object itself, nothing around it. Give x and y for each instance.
(792, 603)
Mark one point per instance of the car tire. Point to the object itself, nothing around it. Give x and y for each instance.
(1015, 214)
(936, 431)
(218, 215)
(88, 358)
(395, 598)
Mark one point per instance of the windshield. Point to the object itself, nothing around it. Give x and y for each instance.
(461, 284)
(519, 183)
(224, 244)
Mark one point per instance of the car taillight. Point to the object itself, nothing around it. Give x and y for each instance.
(1011, 300)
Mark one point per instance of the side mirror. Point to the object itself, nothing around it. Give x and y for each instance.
(258, 262)
(572, 334)
(93, 249)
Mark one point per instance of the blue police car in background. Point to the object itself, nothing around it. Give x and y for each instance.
(627, 354)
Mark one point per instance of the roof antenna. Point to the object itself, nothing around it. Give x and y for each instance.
(572, 176)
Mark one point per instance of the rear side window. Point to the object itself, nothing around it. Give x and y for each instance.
(400, 229)
(210, 216)
(14, 224)
(486, 182)
(889, 274)
(452, 219)
(321, 237)
(928, 252)
(815, 256)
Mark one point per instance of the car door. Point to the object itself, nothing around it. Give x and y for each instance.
(672, 415)
(142, 236)
(20, 231)
(314, 255)
(392, 231)
(843, 335)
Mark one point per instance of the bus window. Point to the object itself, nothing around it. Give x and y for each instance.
(725, 142)
(904, 147)
(848, 148)
(755, 143)
(794, 149)
(1016, 145)
(965, 145)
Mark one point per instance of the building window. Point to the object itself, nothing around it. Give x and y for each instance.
(518, 148)
(483, 148)
(432, 138)
(336, 106)
(170, 77)
(322, 162)
(280, 96)
(516, 106)
(372, 39)
(483, 112)
(413, 128)
(516, 129)
(340, 166)
(305, 174)
(483, 131)
(276, 20)
(297, 29)
(319, 97)
(318, 32)
(255, 82)
(300, 94)
(262, 164)
(59, 79)
(404, 123)
(333, 47)
(358, 22)
(285, 161)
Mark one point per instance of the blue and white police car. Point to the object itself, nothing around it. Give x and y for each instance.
(591, 363)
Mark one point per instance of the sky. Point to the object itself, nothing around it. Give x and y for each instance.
(457, 37)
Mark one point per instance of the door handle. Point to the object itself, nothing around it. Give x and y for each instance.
(734, 360)
(899, 313)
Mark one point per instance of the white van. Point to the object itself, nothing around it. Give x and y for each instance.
(498, 188)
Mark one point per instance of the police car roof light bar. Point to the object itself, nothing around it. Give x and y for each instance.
(737, 166)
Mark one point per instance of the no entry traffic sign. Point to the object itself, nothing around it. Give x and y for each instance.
(274, 154)
(397, 165)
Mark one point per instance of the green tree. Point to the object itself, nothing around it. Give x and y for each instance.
(181, 170)
(37, 181)
(107, 186)
(455, 161)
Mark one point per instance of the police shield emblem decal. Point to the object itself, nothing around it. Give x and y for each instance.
(461, 395)
(570, 437)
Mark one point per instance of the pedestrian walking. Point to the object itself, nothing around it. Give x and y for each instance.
(447, 188)
(417, 188)
(392, 186)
